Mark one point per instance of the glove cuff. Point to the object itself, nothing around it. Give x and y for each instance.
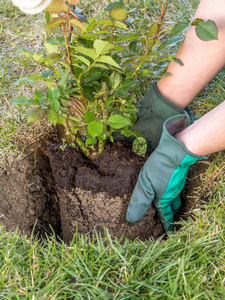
(171, 127)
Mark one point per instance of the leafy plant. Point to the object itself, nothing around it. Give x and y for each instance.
(90, 69)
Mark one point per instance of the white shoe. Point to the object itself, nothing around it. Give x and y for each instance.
(31, 6)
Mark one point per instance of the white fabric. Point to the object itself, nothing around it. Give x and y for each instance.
(31, 6)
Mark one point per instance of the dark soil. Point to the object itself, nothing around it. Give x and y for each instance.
(27, 197)
(93, 195)
(62, 190)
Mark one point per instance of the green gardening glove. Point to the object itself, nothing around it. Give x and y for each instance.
(153, 111)
(163, 176)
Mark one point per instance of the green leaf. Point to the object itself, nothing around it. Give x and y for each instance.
(39, 97)
(140, 146)
(90, 36)
(93, 76)
(55, 105)
(92, 24)
(120, 25)
(117, 121)
(38, 57)
(49, 85)
(101, 66)
(47, 16)
(95, 128)
(74, 119)
(207, 30)
(105, 22)
(109, 100)
(174, 41)
(131, 37)
(26, 52)
(56, 40)
(152, 29)
(55, 93)
(177, 60)
(180, 28)
(24, 79)
(52, 48)
(56, 23)
(19, 100)
(70, 91)
(114, 80)
(108, 60)
(127, 84)
(127, 132)
(196, 21)
(89, 116)
(58, 7)
(83, 59)
(90, 141)
(64, 77)
(102, 47)
(136, 132)
(115, 5)
(35, 114)
(118, 13)
(62, 121)
(46, 73)
(121, 93)
(131, 110)
(90, 52)
(133, 10)
(119, 48)
(102, 137)
(77, 23)
(133, 47)
(52, 116)
(53, 56)
(49, 94)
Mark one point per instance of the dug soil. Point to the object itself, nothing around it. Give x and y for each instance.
(62, 191)
(94, 195)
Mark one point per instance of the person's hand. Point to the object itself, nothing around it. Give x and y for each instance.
(163, 176)
(31, 6)
(154, 110)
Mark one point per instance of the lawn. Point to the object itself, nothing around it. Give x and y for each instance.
(188, 264)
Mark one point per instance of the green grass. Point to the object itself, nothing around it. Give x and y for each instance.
(23, 30)
(189, 264)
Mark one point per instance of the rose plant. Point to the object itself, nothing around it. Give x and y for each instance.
(90, 68)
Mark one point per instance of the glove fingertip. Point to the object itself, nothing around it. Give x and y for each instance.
(130, 217)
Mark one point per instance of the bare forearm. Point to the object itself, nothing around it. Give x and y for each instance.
(202, 59)
(207, 135)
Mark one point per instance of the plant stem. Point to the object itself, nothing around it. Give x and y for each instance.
(156, 35)
(102, 143)
(82, 145)
(112, 40)
(68, 57)
(101, 146)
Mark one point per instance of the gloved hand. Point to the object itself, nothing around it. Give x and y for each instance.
(31, 6)
(154, 110)
(163, 176)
